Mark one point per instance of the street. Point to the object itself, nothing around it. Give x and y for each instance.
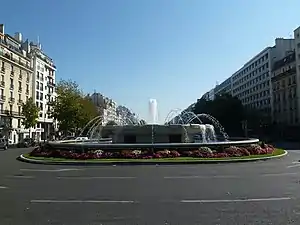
(263, 192)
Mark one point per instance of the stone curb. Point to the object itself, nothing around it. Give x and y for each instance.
(85, 163)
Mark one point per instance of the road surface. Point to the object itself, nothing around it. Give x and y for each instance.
(264, 192)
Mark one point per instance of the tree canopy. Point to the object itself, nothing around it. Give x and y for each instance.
(71, 108)
(228, 110)
(31, 112)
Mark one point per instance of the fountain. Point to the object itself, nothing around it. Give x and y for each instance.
(179, 132)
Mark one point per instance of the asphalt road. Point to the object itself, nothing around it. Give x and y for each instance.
(264, 192)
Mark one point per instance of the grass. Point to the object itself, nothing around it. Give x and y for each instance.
(178, 159)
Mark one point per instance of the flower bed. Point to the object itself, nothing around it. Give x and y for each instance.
(203, 152)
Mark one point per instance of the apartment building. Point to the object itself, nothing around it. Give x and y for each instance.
(284, 91)
(106, 107)
(224, 87)
(15, 85)
(209, 96)
(252, 83)
(43, 91)
(297, 59)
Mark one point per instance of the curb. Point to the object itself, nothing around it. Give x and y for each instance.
(89, 163)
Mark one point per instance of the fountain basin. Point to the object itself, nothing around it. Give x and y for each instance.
(84, 145)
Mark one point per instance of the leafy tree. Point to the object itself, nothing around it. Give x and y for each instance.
(31, 112)
(228, 110)
(71, 108)
(111, 123)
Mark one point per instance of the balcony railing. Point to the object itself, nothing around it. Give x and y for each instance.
(12, 100)
(20, 101)
(2, 83)
(20, 77)
(51, 84)
(27, 80)
(3, 69)
(11, 87)
(2, 98)
(12, 73)
(20, 90)
(27, 92)
(11, 113)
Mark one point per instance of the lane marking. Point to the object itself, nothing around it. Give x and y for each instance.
(294, 165)
(91, 178)
(278, 174)
(82, 201)
(3, 187)
(55, 170)
(235, 200)
(230, 176)
(200, 177)
(22, 177)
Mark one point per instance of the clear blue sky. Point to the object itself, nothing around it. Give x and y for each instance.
(134, 50)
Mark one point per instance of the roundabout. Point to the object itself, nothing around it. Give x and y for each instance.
(260, 192)
(160, 157)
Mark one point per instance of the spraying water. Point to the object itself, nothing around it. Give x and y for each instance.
(153, 111)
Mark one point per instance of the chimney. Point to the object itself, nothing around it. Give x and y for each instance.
(18, 36)
(2, 28)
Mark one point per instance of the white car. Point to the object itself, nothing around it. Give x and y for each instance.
(81, 139)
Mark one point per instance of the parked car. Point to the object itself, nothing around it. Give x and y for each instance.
(3, 143)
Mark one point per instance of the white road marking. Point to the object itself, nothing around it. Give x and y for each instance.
(235, 200)
(55, 170)
(91, 178)
(277, 174)
(81, 201)
(22, 177)
(200, 177)
(294, 165)
(3, 187)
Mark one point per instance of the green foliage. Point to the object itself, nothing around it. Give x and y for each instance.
(71, 108)
(225, 108)
(230, 112)
(31, 112)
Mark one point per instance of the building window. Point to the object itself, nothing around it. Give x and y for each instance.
(37, 95)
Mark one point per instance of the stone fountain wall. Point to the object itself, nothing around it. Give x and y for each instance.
(143, 134)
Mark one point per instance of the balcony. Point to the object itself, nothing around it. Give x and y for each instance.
(27, 80)
(20, 90)
(12, 74)
(2, 84)
(51, 84)
(11, 87)
(27, 92)
(2, 69)
(20, 102)
(11, 100)
(2, 98)
(20, 77)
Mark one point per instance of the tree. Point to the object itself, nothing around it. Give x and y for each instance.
(31, 112)
(71, 108)
(228, 110)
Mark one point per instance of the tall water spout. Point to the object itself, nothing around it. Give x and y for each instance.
(153, 111)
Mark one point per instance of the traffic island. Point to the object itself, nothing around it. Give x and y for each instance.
(202, 155)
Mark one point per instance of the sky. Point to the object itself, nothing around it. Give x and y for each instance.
(135, 50)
